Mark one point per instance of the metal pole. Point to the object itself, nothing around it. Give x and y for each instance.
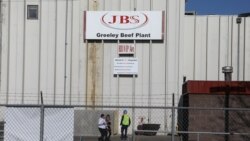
(133, 109)
(42, 118)
(238, 21)
(133, 104)
(173, 118)
(165, 114)
(198, 137)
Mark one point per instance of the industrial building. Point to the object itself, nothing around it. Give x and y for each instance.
(47, 46)
(114, 53)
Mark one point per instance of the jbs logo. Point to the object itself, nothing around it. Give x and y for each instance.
(124, 22)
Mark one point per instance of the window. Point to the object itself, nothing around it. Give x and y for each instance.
(32, 12)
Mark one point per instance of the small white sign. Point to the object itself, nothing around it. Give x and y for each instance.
(126, 48)
(127, 25)
(125, 65)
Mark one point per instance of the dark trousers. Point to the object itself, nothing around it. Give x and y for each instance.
(124, 130)
(109, 132)
(103, 134)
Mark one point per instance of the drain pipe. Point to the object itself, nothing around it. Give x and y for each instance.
(227, 70)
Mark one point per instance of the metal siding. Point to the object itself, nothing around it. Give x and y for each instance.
(16, 54)
(60, 50)
(142, 81)
(224, 45)
(172, 46)
(4, 51)
(143, 5)
(125, 5)
(47, 50)
(158, 63)
(189, 47)
(213, 48)
(200, 48)
(161, 74)
(216, 45)
(82, 55)
(241, 49)
(247, 50)
(75, 55)
(234, 42)
(31, 58)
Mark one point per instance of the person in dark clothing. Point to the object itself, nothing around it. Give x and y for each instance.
(125, 123)
(108, 121)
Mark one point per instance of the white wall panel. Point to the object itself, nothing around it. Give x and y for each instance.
(158, 65)
(241, 49)
(247, 50)
(75, 57)
(4, 52)
(82, 55)
(189, 47)
(16, 53)
(47, 74)
(174, 25)
(224, 44)
(213, 48)
(200, 48)
(143, 5)
(217, 45)
(142, 81)
(126, 5)
(31, 62)
(234, 44)
(60, 51)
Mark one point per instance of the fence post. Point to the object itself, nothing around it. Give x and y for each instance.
(173, 118)
(133, 108)
(198, 137)
(42, 118)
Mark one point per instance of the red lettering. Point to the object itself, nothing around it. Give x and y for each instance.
(120, 48)
(124, 19)
(114, 20)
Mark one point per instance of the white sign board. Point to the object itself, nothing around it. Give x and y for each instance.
(125, 65)
(126, 48)
(127, 25)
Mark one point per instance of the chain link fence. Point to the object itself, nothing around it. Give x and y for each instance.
(79, 123)
(220, 124)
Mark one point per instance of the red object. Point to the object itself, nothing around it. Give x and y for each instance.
(216, 87)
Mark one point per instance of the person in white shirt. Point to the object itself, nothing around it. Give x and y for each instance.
(102, 126)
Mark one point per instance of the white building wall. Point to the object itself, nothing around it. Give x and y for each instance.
(211, 42)
(49, 55)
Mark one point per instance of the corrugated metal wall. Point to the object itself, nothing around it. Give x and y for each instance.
(49, 55)
(212, 42)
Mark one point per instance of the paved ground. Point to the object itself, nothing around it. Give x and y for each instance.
(137, 138)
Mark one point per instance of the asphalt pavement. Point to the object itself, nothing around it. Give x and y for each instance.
(137, 138)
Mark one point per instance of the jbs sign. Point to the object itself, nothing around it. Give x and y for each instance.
(127, 25)
(124, 22)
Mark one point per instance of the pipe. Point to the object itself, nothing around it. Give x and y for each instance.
(238, 21)
(227, 70)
